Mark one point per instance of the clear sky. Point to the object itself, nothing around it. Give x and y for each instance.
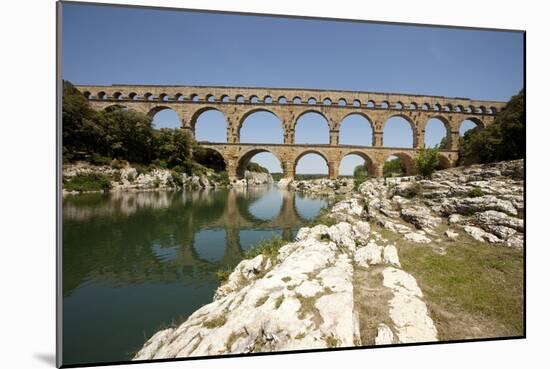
(109, 45)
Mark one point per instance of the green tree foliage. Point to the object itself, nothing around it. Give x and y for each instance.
(360, 175)
(123, 134)
(83, 128)
(427, 161)
(255, 167)
(502, 140)
(208, 158)
(393, 167)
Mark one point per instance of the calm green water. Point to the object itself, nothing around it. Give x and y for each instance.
(135, 262)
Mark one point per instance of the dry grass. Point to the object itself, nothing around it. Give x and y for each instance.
(474, 290)
(371, 301)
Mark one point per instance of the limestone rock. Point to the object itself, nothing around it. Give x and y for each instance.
(384, 336)
(480, 235)
(417, 237)
(407, 310)
(368, 255)
(390, 255)
(451, 234)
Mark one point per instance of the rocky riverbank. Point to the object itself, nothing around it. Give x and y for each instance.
(354, 280)
(128, 178)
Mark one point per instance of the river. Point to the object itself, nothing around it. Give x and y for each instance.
(134, 263)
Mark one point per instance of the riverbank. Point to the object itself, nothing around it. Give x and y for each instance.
(397, 261)
(83, 177)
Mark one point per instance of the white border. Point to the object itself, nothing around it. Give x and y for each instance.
(28, 180)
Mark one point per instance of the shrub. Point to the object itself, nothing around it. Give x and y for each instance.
(476, 192)
(118, 164)
(97, 159)
(255, 167)
(393, 167)
(427, 161)
(88, 182)
(156, 182)
(223, 274)
(360, 175)
(176, 178)
(269, 248)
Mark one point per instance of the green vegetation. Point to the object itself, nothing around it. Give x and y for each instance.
(276, 176)
(331, 341)
(360, 175)
(269, 248)
(118, 136)
(476, 192)
(427, 161)
(393, 167)
(279, 301)
(472, 290)
(223, 274)
(262, 300)
(502, 140)
(322, 218)
(216, 322)
(255, 167)
(87, 182)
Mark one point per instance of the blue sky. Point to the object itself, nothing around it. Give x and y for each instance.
(107, 45)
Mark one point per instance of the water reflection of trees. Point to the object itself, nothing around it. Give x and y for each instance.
(149, 236)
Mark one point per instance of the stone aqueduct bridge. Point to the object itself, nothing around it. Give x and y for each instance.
(237, 103)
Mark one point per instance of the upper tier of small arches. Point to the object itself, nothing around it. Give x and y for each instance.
(292, 99)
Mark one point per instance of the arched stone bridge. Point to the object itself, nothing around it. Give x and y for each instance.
(237, 103)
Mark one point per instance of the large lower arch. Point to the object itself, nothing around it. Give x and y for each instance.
(312, 168)
(312, 127)
(356, 129)
(397, 135)
(245, 158)
(261, 125)
(215, 119)
(407, 161)
(211, 158)
(368, 162)
(444, 162)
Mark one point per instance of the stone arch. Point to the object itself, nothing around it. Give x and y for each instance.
(197, 114)
(478, 122)
(310, 151)
(245, 158)
(446, 124)
(157, 109)
(210, 158)
(251, 112)
(444, 162)
(406, 159)
(414, 129)
(365, 117)
(370, 163)
(295, 125)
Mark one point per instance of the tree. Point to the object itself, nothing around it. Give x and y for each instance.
(130, 135)
(427, 160)
(393, 167)
(255, 167)
(502, 140)
(83, 131)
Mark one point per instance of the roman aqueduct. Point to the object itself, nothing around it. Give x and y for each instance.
(288, 105)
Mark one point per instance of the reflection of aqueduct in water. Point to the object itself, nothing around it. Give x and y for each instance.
(237, 103)
(236, 217)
